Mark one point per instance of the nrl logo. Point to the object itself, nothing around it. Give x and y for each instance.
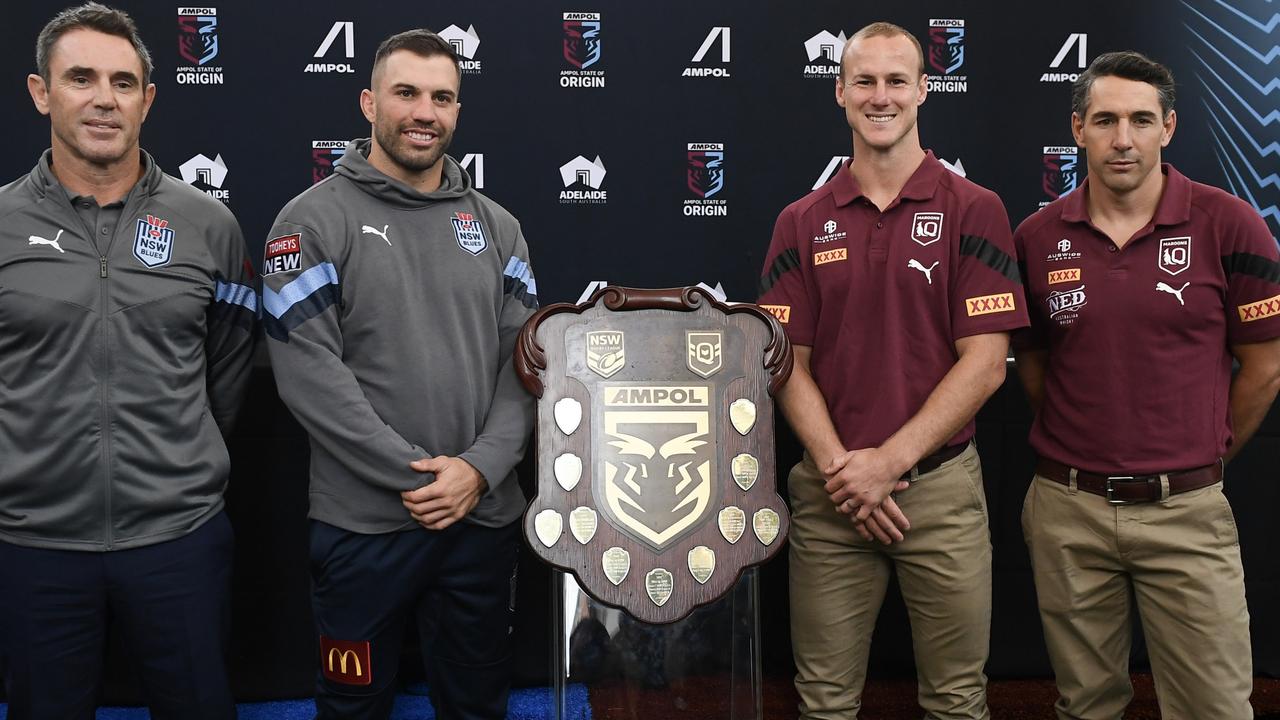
(606, 352)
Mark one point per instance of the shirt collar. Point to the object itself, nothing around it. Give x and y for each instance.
(1174, 207)
(920, 186)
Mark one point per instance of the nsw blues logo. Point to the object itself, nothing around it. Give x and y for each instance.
(469, 233)
(153, 242)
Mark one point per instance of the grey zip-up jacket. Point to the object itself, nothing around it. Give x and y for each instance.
(391, 318)
(120, 370)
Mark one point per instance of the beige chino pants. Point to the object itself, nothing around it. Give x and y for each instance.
(1180, 558)
(838, 582)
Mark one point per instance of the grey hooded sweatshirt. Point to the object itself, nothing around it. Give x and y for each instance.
(391, 318)
(123, 358)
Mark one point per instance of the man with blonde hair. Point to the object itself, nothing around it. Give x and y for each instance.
(896, 284)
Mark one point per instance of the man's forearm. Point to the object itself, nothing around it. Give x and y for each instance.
(1251, 396)
(805, 409)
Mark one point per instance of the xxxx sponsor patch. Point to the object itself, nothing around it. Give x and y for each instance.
(782, 312)
(1259, 310)
(1064, 275)
(830, 256)
(282, 254)
(987, 304)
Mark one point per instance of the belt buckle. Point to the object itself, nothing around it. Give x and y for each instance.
(1111, 500)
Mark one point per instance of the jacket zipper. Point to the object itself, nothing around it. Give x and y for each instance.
(102, 392)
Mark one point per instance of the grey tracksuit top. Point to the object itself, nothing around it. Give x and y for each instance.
(122, 363)
(391, 318)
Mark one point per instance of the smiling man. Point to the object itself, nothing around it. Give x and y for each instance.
(1143, 285)
(126, 312)
(393, 292)
(897, 286)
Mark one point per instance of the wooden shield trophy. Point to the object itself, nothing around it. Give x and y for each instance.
(656, 480)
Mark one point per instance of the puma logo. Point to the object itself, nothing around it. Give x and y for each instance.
(1178, 293)
(371, 230)
(928, 271)
(37, 240)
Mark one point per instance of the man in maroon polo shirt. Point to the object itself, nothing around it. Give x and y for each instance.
(1142, 286)
(896, 284)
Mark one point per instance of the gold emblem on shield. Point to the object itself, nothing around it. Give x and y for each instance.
(703, 352)
(616, 563)
(702, 562)
(742, 413)
(732, 522)
(658, 460)
(659, 584)
(548, 524)
(606, 353)
(766, 523)
(745, 470)
(582, 523)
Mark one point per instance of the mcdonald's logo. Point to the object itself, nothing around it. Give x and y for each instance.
(346, 662)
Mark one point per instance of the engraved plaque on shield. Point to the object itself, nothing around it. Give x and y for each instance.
(655, 447)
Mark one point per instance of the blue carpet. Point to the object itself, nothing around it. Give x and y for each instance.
(524, 704)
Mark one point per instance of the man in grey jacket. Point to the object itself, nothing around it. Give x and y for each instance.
(126, 313)
(393, 293)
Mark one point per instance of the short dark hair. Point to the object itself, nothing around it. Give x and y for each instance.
(1129, 65)
(421, 42)
(90, 16)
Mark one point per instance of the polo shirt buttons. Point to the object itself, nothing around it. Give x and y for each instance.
(104, 231)
(879, 224)
(1111, 248)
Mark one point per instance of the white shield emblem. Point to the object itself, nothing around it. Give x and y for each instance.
(926, 227)
(606, 352)
(1175, 254)
(469, 233)
(703, 352)
(153, 242)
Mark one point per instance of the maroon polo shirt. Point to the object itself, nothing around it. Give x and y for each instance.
(883, 297)
(1137, 337)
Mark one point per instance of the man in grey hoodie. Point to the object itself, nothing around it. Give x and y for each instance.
(126, 310)
(393, 293)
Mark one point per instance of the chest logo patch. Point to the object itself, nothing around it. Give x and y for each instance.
(153, 242)
(282, 254)
(830, 256)
(926, 227)
(1164, 287)
(1064, 305)
(1258, 310)
(469, 233)
(1175, 254)
(37, 240)
(1065, 275)
(928, 271)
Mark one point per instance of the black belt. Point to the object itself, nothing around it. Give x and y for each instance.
(929, 463)
(1127, 489)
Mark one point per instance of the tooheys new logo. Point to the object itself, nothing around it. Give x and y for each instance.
(823, 51)
(583, 173)
(582, 50)
(1079, 41)
(705, 62)
(1061, 171)
(945, 56)
(206, 175)
(347, 29)
(704, 176)
(324, 153)
(465, 44)
(198, 46)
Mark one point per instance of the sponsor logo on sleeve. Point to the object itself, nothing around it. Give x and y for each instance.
(782, 312)
(829, 256)
(988, 304)
(1064, 275)
(282, 254)
(1259, 310)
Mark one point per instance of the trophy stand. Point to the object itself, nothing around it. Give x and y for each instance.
(705, 666)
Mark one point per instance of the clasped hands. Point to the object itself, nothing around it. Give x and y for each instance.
(861, 483)
(457, 488)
